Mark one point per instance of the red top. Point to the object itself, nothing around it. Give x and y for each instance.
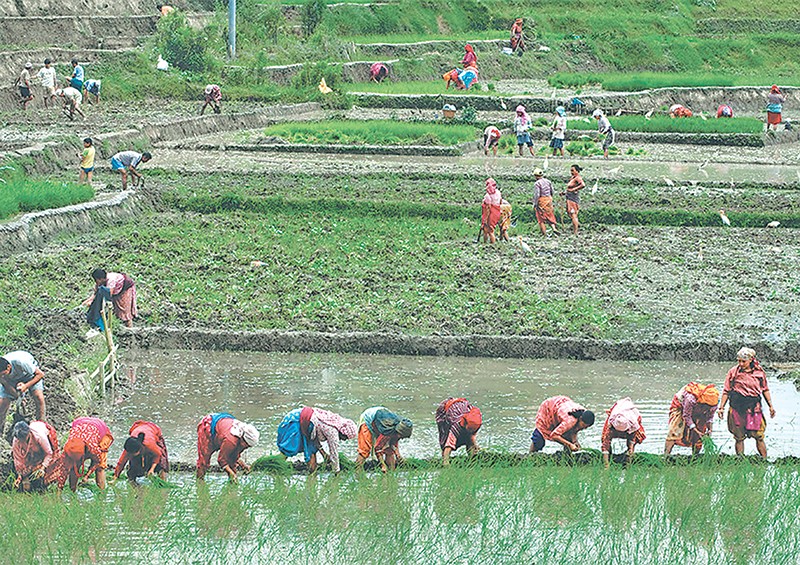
(230, 446)
(554, 418)
(150, 446)
(747, 384)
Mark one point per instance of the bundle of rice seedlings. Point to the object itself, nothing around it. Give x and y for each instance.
(274, 465)
(158, 482)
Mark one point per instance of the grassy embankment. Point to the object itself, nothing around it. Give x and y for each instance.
(739, 514)
(373, 132)
(20, 193)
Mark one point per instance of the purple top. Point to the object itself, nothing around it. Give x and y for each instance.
(689, 404)
(542, 187)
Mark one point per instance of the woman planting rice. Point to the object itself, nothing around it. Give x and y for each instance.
(560, 419)
(117, 288)
(691, 416)
(224, 433)
(304, 430)
(380, 432)
(145, 452)
(490, 210)
(623, 422)
(89, 439)
(458, 422)
(34, 448)
(745, 384)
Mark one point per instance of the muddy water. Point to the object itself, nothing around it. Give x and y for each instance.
(176, 388)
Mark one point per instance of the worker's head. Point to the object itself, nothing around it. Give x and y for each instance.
(597, 114)
(491, 186)
(775, 88)
(159, 6)
(538, 173)
(60, 92)
(47, 62)
(146, 157)
(585, 418)
(520, 110)
(74, 62)
(575, 169)
(561, 111)
(404, 428)
(5, 366)
(469, 48)
(21, 431)
(99, 276)
(133, 445)
(28, 65)
(518, 21)
(87, 142)
(74, 453)
(746, 357)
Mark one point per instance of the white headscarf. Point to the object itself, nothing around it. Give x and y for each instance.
(624, 416)
(247, 432)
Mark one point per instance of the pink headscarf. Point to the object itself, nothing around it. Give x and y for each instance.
(493, 196)
(345, 426)
(624, 417)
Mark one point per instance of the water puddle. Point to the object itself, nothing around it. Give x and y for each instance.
(176, 388)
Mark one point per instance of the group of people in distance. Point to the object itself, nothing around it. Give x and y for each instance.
(73, 90)
(39, 461)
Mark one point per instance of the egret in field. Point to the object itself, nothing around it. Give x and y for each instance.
(773, 224)
(724, 218)
(594, 188)
(649, 114)
(615, 170)
(545, 163)
(669, 182)
(619, 112)
(525, 247)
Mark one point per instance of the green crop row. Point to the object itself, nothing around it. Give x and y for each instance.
(665, 124)
(635, 81)
(20, 193)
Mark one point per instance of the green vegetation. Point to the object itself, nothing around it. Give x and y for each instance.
(740, 513)
(413, 87)
(372, 132)
(628, 82)
(694, 124)
(19, 193)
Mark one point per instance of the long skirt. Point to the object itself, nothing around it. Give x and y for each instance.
(677, 430)
(773, 118)
(545, 213)
(125, 305)
(490, 215)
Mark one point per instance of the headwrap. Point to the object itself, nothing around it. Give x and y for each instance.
(385, 422)
(746, 353)
(491, 186)
(209, 88)
(404, 428)
(21, 430)
(518, 21)
(706, 394)
(597, 113)
(561, 111)
(344, 426)
(774, 88)
(247, 432)
(469, 48)
(472, 420)
(624, 417)
(521, 109)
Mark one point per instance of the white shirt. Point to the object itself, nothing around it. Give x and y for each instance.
(47, 77)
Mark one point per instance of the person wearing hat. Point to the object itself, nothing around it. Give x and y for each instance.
(543, 202)
(47, 79)
(604, 128)
(224, 433)
(23, 83)
(380, 432)
(623, 421)
(34, 448)
(559, 128)
(145, 452)
(744, 386)
(517, 41)
(691, 416)
(72, 101)
(89, 439)
(559, 419)
(522, 124)
(213, 97)
(458, 422)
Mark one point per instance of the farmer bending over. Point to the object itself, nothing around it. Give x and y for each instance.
(560, 419)
(34, 449)
(145, 452)
(623, 421)
(213, 98)
(458, 422)
(20, 373)
(126, 162)
(380, 432)
(224, 433)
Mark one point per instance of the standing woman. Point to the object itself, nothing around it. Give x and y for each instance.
(145, 452)
(490, 210)
(543, 202)
(470, 59)
(744, 386)
(574, 186)
(775, 102)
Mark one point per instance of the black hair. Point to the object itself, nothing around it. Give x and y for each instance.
(147, 156)
(577, 168)
(585, 416)
(87, 140)
(47, 61)
(21, 430)
(99, 274)
(74, 62)
(4, 364)
(159, 6)
(134, 444)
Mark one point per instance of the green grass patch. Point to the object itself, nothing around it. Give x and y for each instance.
(413, 87)
(20, 193)
(635, 81)
(665, 124)
(372, 132)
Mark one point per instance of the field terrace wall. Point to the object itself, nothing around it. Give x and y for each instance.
(743, 99)
(84, 7)
(12, 62)
(81, 31)
(34, 229)
(535, 347)
(727, 26)
(672, 138)
(422, 47)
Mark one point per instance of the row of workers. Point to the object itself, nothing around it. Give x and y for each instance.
(39, 463)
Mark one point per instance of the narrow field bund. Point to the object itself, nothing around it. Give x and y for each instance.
(503, 346)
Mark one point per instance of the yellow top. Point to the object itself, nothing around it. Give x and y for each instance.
(87, 158)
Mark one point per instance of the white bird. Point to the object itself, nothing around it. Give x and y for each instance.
(525, 247)
(594, 188)
(773, 224)
(704, 172)
(162, 65)
(503, 105)
(703, 165)
(545, 164)
(702, 117)
(631, 240)
(775, 249)
(669, 182)
(649, 114)
(724, 217)
(619, 112)
(552, 96)
(615, 170)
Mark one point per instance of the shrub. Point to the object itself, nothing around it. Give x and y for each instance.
(312, 15)
(180, 45)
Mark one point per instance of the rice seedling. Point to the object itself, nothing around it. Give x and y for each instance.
(663, 124)
(273, 464)
(20, 193)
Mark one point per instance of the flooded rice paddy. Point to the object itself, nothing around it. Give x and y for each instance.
(176, 388)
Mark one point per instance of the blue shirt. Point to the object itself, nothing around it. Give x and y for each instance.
(77, 73)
